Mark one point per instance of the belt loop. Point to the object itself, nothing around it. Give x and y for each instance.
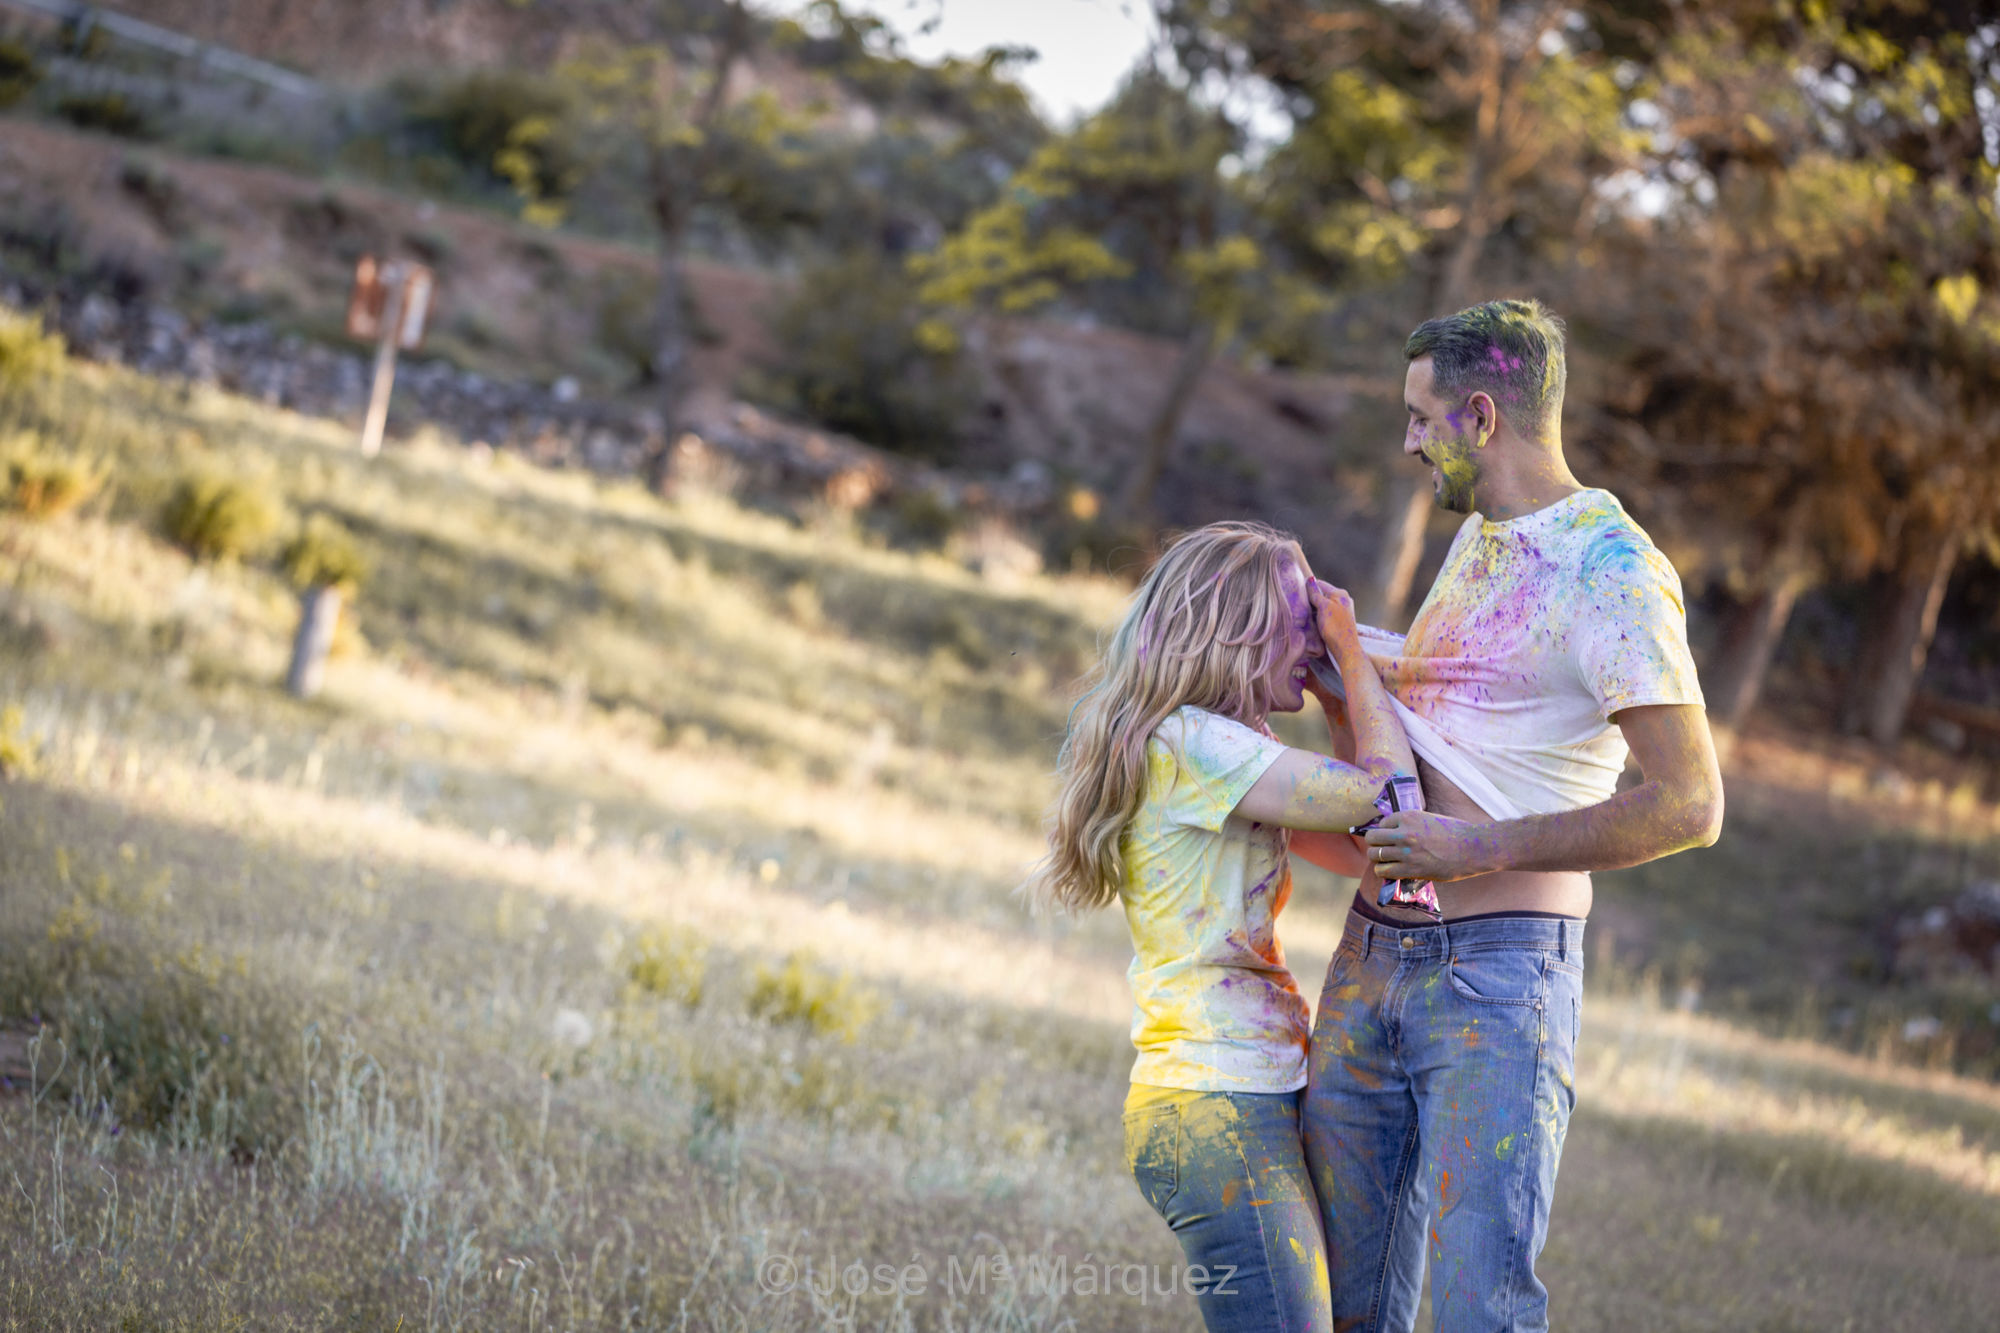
(1367, 937)
(1444, 940)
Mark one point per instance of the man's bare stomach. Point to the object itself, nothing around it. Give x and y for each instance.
(1564, 891)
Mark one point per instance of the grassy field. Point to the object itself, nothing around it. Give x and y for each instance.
(627, 931)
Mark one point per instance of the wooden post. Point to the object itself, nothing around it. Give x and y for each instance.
(319, 614)
(396, 281)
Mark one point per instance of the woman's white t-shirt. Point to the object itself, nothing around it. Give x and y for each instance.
(1215, 1008)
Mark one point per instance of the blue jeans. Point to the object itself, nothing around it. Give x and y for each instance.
(1227, 1172)
(1442, 1079)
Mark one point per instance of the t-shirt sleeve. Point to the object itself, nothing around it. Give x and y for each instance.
(1216, 760)
(1631, 624)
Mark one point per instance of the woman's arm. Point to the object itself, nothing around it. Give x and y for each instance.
(1303, 790)
(1380, 747)
(1341, 853)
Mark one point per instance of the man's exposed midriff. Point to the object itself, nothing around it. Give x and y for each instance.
(1564, 891)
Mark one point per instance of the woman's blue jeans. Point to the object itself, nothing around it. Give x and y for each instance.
(1442, 1079)
(1228, 1173)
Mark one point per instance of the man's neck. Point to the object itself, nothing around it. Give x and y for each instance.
(1511, 490)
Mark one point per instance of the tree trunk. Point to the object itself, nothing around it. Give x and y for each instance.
(678, 175)
(1407, 508)
(1918, 593)
(672, 342)
(1749, 643)
(1871, 632)
(1750, 640)
(1407, 511)
(1196, 354)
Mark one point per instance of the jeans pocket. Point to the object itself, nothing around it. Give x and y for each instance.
(1152, 1153)
(1342, 964)
(1500, 976)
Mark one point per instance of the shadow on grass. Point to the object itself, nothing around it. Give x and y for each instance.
(1790, 924)
(1800, 1170)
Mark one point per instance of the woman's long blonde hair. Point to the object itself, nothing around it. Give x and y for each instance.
(1205, 628)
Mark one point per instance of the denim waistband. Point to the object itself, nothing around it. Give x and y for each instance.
(1562, 936)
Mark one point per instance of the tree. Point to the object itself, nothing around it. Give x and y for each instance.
(1806, 340)
(1134, 208)
(1495, 118)
(662, 77)
(661, 70)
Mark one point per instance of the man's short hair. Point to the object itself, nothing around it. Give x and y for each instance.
(1511, 349)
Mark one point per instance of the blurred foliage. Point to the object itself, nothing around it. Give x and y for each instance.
(217, 517)
(855, 352)
(1131, 207)
(19, 755)
(108, 113)
(808, 994)
(670, 963)
(511, 126)
(325, 555)
(42, 482)
(30, 356)
(1823, 333)
(18, 72)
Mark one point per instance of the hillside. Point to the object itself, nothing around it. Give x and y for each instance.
(232, 244)
(631, 918)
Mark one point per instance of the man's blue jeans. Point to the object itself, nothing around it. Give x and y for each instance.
(1227, 1172)
(1442, 1079)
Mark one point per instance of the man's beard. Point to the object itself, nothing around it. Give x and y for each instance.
(1457, 480)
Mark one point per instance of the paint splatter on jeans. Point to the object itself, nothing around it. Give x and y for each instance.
(1442, 1078)
(1227, 1172)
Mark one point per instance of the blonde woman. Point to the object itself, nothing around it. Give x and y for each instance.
(1177, 801)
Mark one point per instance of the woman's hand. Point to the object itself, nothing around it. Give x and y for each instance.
(1335, 610)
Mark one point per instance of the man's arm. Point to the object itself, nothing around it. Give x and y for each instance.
(1677, 806)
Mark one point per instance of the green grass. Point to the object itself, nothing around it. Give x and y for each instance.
(633, 910)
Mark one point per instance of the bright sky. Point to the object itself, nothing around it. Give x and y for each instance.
(1086, 46)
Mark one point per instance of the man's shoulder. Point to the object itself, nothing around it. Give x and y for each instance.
(1604, 542)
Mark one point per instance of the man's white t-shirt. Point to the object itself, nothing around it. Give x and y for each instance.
(1535, 633)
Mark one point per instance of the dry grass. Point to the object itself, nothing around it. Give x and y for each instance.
(633, 910)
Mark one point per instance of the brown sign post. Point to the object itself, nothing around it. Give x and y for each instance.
(391, 305)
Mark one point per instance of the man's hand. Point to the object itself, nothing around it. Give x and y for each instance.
(1420, 844)
(1678, 805)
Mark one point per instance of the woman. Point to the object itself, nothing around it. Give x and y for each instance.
(1176, 799)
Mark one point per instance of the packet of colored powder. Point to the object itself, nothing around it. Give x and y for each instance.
(1403, 792)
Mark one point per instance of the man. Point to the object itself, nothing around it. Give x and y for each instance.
(1553, 642)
